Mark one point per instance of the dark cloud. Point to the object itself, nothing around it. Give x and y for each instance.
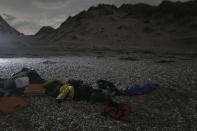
(28, 16)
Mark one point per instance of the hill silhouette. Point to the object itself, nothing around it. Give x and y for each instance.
(168, 26)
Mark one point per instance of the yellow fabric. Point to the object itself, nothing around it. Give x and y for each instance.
(66, 91)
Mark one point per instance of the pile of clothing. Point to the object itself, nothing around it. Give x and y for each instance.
(11, 89)
(28, 81)
(17, 83)
(77, 90)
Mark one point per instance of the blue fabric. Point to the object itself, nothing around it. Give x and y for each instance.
(139, 89)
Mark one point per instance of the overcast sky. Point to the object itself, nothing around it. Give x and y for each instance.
(28, 16)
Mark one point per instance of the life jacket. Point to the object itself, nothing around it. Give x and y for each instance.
(117, 111)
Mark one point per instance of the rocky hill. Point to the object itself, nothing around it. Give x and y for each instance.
(11, 41)
(6, 29)
(169, 25)
(44, 31)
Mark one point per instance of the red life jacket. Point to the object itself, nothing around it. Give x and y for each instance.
(118, 111)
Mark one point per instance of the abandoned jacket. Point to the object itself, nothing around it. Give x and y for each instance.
(59, 89)
(139, 89)
(66, 92)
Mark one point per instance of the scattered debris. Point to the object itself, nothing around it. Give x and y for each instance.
(29, 82)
